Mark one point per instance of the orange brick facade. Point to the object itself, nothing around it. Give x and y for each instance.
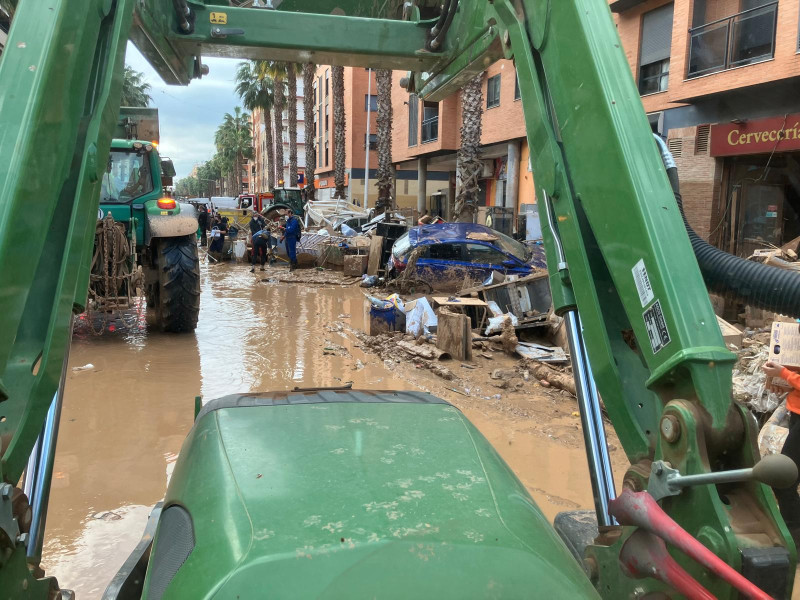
(721, 195)
(785, 64)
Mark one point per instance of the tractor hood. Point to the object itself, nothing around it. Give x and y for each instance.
(350, 494)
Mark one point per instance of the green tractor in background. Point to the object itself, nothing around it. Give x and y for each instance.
(145, 241)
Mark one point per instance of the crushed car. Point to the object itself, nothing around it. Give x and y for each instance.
(454, 256)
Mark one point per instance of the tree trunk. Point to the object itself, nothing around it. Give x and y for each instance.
(469, 162)
(308, 119)
(339, 149)
(385, 202)
(238, 166)
(280, 103)
(268, 135)
(291, 79)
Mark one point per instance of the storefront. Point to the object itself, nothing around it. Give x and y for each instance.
(760, 201)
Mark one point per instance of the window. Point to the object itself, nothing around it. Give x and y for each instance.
(516, 88)
(127, 176)
(319, 156)
(493, 91)
(327, 153)
(316, 91)
(413, 119)
(720, 40)
(430, 122)
(319, 87)
(373, 141)
(327, 118)
(444, 251)
(485, 255)
(654, 50)
(371, 103)
(327, 80)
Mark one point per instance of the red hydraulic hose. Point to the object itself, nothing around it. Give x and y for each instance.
(645, 555)
(641, 510)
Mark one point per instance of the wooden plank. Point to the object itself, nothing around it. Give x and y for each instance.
(730, 334)
(375, 249)
(444, 301)
(453, 335)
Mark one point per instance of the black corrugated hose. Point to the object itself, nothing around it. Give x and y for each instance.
(758, 285)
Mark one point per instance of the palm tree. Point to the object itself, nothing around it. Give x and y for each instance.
(135, 91)
(383, 78)
(276, 71)
(234, 143)
(291, 84)
(308, 115)
(339, 149)
(469, 163)
(256, 91)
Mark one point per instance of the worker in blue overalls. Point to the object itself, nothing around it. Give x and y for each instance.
(291, 234)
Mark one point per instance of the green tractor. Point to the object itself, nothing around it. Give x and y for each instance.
(283, 198)
(144, 241)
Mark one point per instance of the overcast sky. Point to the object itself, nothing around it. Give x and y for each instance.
(189, 115)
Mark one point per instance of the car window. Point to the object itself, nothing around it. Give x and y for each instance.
(478, 253)
(401, 246)
(512, 246)
(445, 252)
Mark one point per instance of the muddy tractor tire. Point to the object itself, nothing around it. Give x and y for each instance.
(176, 294)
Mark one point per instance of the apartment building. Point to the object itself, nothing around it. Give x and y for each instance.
(720, 80)
(259, 163)
(361, 138)
(426, 141)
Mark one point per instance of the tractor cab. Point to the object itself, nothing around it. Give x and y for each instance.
(284, 198)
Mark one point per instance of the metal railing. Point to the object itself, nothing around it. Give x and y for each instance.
(741, 39)
(430, 129)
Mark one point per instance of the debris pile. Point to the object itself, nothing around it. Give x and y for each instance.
(750, 385)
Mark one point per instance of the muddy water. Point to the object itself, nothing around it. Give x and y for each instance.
(130, 395)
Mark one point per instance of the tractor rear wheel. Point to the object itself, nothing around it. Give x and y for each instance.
(176, 295)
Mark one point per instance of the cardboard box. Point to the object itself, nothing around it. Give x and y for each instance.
(784, 344)
(355, 265)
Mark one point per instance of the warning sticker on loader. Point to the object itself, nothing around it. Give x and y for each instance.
(656, 327)
(642, 282)
(218, 18)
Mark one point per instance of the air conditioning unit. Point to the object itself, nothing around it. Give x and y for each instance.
(488, 169)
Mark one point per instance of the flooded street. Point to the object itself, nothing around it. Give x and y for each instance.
(130, 398)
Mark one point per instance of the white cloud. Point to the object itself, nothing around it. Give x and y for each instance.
(189, 116)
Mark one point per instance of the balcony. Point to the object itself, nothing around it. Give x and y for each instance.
(430, 129)
(742, 39)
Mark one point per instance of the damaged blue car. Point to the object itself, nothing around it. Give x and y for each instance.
(453, 256)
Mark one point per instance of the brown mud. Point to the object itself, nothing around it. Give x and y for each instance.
(125, 417)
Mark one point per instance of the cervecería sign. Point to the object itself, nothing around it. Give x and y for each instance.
(779, 134)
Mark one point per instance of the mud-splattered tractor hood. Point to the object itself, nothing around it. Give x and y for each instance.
(350, 495)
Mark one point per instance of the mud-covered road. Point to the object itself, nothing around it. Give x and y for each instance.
(130, 397)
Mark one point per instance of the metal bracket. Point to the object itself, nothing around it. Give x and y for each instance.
(661, 482)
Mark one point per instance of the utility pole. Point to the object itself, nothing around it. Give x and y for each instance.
(366, 145)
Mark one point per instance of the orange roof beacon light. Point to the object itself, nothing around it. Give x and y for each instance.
(166, 203)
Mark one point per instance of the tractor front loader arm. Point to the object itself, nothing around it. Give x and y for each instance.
(642, 331)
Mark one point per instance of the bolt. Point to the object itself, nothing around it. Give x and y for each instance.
(506, 38)
(670, 428)
(5, 490)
